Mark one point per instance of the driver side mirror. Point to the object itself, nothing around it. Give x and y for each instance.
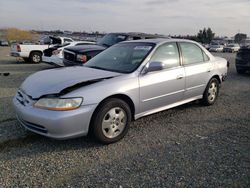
(154, 66)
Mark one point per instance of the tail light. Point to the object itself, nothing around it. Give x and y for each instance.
(18, 48)
(81, 58)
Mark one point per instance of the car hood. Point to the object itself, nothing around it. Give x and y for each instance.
(55, 81)
(85, 48)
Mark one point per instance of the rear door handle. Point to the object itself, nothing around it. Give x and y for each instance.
(179, 77)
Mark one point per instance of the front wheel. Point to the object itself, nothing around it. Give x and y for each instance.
(211, 92)
(111, 121)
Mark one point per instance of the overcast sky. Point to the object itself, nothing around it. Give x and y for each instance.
(225, 17)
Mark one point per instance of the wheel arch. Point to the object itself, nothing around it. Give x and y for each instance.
(33, 51)
(217, 77)
(123, 97)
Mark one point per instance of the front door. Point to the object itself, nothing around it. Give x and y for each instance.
(164, 87)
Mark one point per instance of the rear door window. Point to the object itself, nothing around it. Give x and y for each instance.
(191, 53)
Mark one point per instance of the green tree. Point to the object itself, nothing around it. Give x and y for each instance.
(205, 35)
(200, 36)
(210, 35)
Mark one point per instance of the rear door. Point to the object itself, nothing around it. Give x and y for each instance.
(198, 69)
(165, 87)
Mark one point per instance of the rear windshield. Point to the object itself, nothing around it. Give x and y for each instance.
(111, 39)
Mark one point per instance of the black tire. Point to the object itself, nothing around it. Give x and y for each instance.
(35, 57)
(240, 71)
(102, 112)
(208, 97)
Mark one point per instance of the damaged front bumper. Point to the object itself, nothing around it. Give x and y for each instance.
(54, 124)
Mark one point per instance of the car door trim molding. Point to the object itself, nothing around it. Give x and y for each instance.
(160, 96)
(137, 116)
(195, 87)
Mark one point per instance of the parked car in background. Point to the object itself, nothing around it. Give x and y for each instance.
(4, 43)
(84, 53)
(127, 81)
(54, 55)
(231, 48)
(242, 62)
(80, 55)
(33, 52)
(207, 46)
(216, 48)
(245, 43)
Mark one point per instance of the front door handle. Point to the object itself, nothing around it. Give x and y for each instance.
(179, 77)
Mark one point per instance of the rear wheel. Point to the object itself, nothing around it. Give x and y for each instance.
(111, 121)
(36, 57)
(211, 92)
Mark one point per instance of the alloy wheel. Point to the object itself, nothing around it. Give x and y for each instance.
(114, 122)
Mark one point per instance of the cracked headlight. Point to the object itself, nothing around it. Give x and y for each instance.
(58, 104)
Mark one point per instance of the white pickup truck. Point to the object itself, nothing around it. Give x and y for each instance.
(33, 52)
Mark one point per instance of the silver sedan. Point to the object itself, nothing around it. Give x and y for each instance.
(123, 83)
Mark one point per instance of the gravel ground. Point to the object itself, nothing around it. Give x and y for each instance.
(187, 146)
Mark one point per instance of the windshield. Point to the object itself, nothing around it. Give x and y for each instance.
(123, 58)
(111, 39)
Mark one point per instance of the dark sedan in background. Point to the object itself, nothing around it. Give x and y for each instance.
(243, 60)
(81, 54)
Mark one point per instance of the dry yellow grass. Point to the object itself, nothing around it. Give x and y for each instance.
(13, 34)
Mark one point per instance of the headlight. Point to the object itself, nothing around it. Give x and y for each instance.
(81, 58)
(58, 104)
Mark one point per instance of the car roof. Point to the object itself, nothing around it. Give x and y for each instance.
(87, 42)
(160, 40)
(138, 34)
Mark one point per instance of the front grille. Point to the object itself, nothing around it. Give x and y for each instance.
(70, 56)
(33, 126)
